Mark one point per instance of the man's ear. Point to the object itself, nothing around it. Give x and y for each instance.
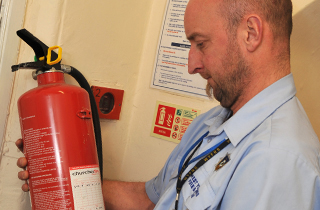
(252, 32)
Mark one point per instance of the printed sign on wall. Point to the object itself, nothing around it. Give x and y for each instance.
(171, 63)
(171, 121)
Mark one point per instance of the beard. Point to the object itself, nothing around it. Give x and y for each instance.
(227, 88)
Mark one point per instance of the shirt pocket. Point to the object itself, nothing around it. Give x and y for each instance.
(203, 200)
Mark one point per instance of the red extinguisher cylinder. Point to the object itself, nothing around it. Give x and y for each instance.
(59, 144)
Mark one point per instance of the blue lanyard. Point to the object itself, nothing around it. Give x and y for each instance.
(199, 156)
(208, 154)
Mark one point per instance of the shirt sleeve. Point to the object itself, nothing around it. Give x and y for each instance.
(156, 186)
(153, 188)
(273, 179)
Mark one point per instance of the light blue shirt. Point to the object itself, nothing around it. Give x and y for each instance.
(274, 158)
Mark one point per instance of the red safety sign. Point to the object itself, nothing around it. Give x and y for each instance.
(171, 121)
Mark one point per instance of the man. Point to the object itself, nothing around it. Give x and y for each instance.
(258, 149)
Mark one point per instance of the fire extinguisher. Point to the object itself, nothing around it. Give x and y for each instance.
(61, 133)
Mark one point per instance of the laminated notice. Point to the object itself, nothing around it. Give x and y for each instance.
(86, 187)
(171, 62)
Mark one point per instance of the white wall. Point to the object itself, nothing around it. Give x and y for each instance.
(12, 20)
(113, 43)
(12, 14)
(305, 59)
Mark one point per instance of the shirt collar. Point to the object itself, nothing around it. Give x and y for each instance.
(254, 112)
(216, 123)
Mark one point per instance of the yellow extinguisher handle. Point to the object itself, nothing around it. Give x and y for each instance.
(49, 55)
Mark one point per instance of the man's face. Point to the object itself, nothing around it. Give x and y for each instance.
(214, 53)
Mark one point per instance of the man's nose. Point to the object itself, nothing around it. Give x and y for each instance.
(195, 64)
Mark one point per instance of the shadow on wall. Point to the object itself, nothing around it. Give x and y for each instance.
(305, 60)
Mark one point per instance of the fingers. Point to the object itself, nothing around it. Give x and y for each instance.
(22, 162)
(19, 144)
(25, 187)
(23, 175)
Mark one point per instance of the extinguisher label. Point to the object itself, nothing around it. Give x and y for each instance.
(86, 187)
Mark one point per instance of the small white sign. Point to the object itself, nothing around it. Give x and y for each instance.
(86, 187)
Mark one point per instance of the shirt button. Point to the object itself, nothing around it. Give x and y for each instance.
(209, 139)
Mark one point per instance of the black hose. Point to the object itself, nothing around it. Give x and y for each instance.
(95, 116)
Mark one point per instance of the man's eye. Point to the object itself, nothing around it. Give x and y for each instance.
(199, 45)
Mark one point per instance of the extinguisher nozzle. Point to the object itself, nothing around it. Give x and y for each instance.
(28, 65)
(14, 68)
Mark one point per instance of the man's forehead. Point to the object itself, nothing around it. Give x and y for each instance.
(199, 18)
(203, 3)
(195, 35)
(201, 9)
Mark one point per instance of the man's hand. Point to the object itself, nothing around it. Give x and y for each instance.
(22, 163)
(119, 195)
